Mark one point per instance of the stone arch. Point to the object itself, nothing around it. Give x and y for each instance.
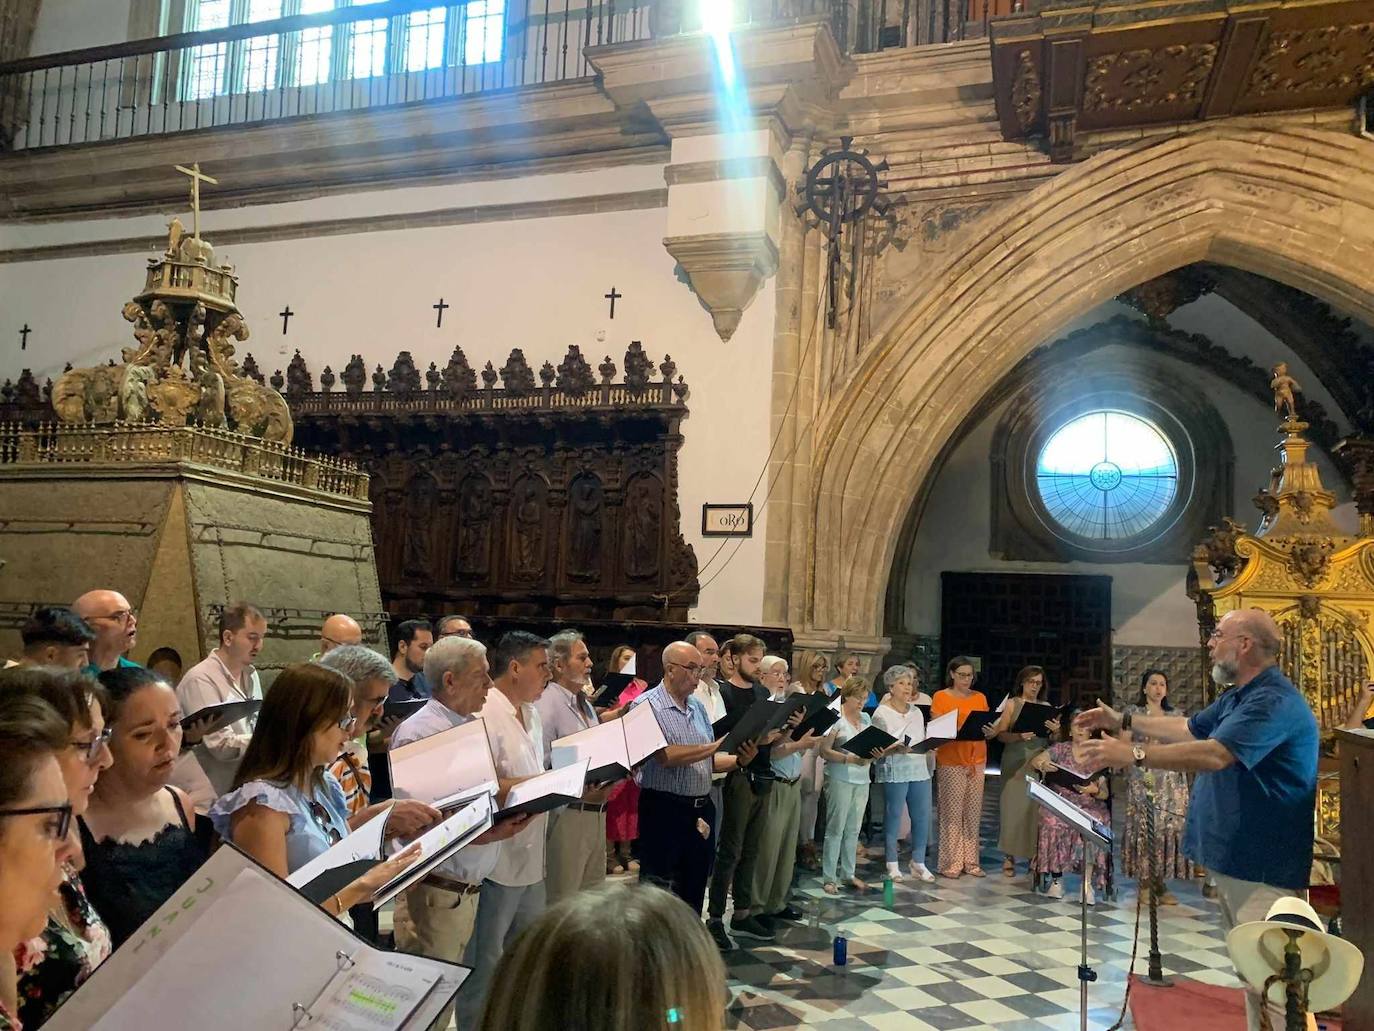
(1290, 203)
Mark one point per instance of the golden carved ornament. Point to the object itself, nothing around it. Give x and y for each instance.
(1318, 60)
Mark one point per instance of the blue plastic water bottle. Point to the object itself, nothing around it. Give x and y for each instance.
(841, 950)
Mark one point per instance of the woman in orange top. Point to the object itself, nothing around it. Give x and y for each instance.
(959, 773)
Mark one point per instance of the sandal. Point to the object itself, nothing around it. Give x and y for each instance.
(976, 871)
(830, 889)
(952, 874)
(1008, 866)
(857, 884)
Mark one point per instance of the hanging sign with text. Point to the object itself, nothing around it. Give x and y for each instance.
(727, 520)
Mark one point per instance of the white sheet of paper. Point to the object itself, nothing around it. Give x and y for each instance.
(836, 702)
(444, 764)
(946, 726)
(1002, 705)
(231, 912)
(629, 668)
(367, 993)
(363, 843)
(471, 820)
(601, 746)
(643, 735)
(569, 781)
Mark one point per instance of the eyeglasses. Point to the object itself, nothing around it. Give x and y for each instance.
(64, 822)
(321, 817)
(91, 749)
(120, 615)
(346, 723)
(1218, 635)
(962, 676)
(456, 633)
(693, 669)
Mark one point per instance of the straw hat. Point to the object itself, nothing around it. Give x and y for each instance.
(1257, 947)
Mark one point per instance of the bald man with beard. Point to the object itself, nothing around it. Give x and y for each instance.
(1254, 751)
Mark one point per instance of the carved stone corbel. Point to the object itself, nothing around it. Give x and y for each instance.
(725, 271)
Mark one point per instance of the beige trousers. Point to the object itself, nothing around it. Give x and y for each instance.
(577, 852)
(1241, 902)
(432, 922)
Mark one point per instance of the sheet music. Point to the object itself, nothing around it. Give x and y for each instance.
(444, 764)
(602, 745)
(569, 781)
(836, 702)
(629, 667)
(1070, 813)
(466, 824)
(235, 948)
(372, 990)
(363, 843)
(643, 735)
(942, 727)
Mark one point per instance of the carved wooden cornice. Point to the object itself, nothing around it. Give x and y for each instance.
(1069, 67)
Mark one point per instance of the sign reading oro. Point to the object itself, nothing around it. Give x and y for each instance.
(727, 520)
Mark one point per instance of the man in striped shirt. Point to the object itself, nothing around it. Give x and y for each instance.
(676, 840)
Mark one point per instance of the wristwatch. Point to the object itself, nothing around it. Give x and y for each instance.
(1139, 752)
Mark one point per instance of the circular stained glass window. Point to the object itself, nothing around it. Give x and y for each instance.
(1107, 476)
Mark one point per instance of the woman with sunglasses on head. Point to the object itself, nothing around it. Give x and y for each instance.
(35, 832)
(75, 940)
(137, 836)
(286, 807)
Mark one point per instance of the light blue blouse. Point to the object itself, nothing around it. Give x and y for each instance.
(306, 835)
(848, 773)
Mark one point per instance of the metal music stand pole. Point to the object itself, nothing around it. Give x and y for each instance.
(1086, 974)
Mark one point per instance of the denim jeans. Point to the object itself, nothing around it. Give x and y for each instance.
(915, 795)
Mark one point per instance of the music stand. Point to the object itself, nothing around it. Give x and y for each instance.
(1094, 833)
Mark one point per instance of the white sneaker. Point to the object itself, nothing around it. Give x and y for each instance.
(919, 871)
(1056, 889)
(1088, 895)
(894, 872)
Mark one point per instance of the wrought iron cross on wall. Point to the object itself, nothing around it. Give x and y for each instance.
(840, 189)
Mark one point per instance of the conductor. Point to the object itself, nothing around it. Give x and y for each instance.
(1254, 751)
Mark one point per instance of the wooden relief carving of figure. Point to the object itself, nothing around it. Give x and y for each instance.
(584, 522)
(474, 527)
(527, 519)
(643, 517)
(419, 512)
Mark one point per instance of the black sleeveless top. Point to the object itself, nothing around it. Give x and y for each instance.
(127, 883)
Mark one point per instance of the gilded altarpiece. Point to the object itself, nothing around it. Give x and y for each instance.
(1315, 580)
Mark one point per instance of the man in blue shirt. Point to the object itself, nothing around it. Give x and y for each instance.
(1255, 753)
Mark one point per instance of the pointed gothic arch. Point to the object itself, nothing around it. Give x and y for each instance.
(1290, 203)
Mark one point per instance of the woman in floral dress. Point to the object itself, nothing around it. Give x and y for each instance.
(1170, 801)
(1059, 847)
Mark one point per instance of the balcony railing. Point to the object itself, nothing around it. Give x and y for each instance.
(354, 58)
(386, 54)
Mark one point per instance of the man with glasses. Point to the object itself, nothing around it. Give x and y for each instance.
(55, 636)
(452, 626)
(225, 675)
(338, 630)
(676, 816)
(1254, 751)
(115, 623)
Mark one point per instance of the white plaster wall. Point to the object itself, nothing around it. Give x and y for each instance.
(537, 284)
(74, 24)
(1149, 604)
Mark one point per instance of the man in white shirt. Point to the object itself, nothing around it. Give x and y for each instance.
(708, 693)
(436, 917)
(440, 910)
(577, 833)
(225, 675)
(513, 893)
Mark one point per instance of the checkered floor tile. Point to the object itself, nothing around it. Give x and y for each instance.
(963, 954)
